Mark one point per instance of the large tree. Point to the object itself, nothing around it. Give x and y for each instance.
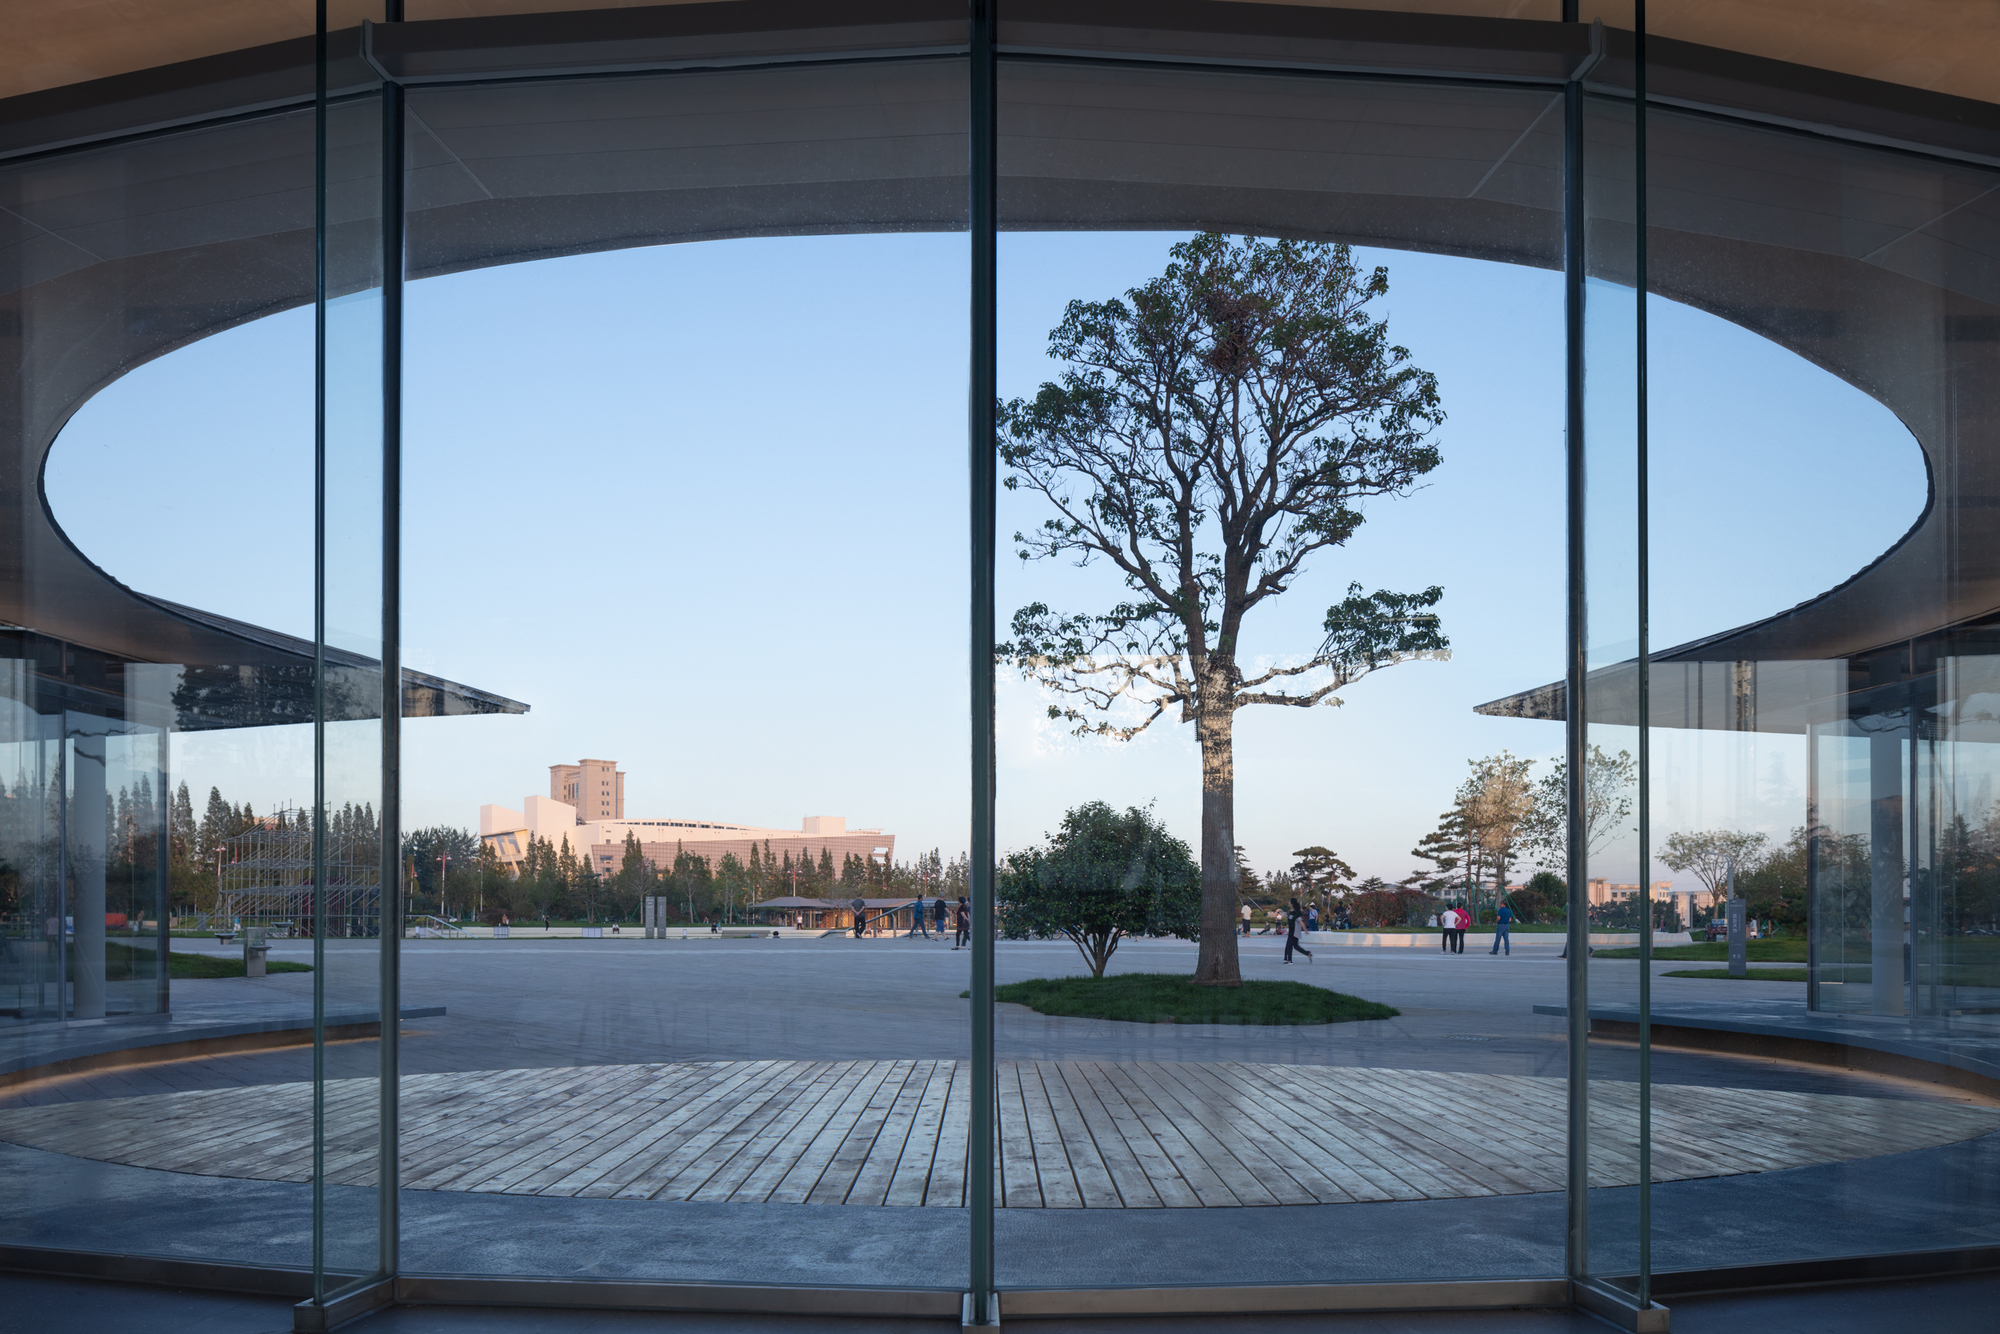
(1210, 433)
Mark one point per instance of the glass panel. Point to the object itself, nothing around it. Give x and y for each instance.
(337, 888)
(1182, 365)
(692, 461)
(1822, 695)
(145, 732)
(1616, 892)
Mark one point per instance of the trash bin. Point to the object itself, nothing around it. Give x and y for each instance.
(255, 949)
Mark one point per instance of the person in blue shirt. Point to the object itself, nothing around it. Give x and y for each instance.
(1501, 921)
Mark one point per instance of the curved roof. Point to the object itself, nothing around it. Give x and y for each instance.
(764, 121)
(1919, 43)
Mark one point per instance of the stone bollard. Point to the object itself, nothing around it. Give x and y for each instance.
(255, 949)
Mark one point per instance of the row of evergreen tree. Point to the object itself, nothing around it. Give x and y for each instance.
(453, 874)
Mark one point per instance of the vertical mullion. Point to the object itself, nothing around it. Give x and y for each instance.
(1644, 595)
(389, 956)
(1576, 1235)
(984, 225)
(319, 661)
(162, 893)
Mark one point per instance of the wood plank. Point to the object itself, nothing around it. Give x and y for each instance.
(920, 1144)
(1163, 1179)
(844, 1168)
(1189, 1166)
(774, 1106)
(809, 1085)
(1072, 1134)
(1053, 1170)
(818, 1153)
(667, 1150)
(872, 1182)
(946, 1188)
(1020, 1187)
(1095, 1187)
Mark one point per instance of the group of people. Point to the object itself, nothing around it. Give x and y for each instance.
(1455, 922)
(961, 920)
(1311, 919)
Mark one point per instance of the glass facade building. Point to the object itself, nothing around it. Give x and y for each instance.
(286, 286)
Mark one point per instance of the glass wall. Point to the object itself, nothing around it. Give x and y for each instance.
(689, 485)
(1217, 386)
(1820, 777)
(487, 693)
(134, 497)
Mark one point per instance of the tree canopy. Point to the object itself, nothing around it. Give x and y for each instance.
(1104, 875)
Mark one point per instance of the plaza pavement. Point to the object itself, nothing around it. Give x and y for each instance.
(524, 1003)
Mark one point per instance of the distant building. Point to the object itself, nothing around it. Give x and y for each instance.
(1602, 891)
(595, 787)
(601, 836)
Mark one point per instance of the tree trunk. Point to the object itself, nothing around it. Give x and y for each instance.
(1216, 965)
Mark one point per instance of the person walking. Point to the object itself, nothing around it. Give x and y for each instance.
(1502, 919)
(1295, 920)
(964, 925)
(917, 922)
(938, 915)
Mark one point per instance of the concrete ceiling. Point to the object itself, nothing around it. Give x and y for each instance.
(1948, 46)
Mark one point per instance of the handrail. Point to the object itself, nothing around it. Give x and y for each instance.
(423, 926)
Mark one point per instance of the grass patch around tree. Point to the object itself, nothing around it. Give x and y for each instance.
(124, 962)
(1749, 974)
(1171, 998)
(1785, 949)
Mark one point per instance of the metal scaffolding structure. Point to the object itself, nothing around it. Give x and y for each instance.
(268, 880)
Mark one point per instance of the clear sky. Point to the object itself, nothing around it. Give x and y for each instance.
(703, 507)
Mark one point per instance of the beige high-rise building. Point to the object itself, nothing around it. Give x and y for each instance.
(596, 788)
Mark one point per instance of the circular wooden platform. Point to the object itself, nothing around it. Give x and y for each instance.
(1073, 1134)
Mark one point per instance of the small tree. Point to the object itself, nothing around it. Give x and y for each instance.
(1494, 804)
(1545, 898)
(1211, 433)
(1103, 876)
(1710, 855)
(1320, 873)
(1445, 847)
(1607, 804)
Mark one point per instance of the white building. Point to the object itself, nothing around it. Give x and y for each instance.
(602, 839)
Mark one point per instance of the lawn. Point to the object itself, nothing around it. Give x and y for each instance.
(122, 961)
(1170, 998)
(1749, 974)
(1791, 949)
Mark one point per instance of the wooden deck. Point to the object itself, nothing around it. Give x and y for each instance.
(1073, 1134)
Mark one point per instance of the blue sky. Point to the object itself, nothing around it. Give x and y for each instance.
(703, 507)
